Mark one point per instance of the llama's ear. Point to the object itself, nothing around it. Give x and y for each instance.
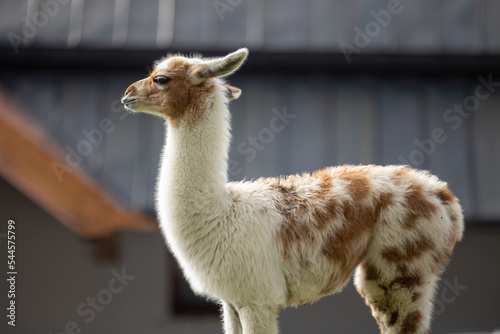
(219, 67)
(232, 93)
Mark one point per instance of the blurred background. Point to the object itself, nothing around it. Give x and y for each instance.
(328, 82)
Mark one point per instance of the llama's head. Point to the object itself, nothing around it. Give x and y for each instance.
(179, 85)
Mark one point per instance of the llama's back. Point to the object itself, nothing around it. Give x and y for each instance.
(338, 217)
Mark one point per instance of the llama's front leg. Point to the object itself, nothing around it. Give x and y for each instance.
(259, 319)
(231, 319)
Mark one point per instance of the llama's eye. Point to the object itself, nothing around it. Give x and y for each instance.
(161, 80)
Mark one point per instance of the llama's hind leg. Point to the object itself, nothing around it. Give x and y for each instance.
(400, 300)
(231, 319)
(259, 319)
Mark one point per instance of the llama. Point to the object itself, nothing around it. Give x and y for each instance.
(256, 247)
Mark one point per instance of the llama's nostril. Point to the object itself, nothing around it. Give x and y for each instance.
(127, 99)
(129, 90)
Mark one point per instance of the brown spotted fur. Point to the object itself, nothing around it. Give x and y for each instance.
(338, 214)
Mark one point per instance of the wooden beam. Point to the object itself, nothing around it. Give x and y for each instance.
(27, 159)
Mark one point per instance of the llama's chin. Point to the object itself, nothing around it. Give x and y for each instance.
(129, 108)
(134, 108)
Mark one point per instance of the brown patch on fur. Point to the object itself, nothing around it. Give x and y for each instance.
(357, 221)
(178, 106)
(371, 272)
(415, 296)
(231, 92)
(409, 251)
(385, 199)
(394, 318)
(319, 210)
(418, 205)
(303, 214)
(177, 69)
(198, 95)
(290, 205)
(359, 186)
(446, 196)
(325, 179)
(400, 174)
(403, 268)
(292, 232)
(408, 281)
(386, 313)
(383, 304)
(322, 216)
(290, 200)
(411, 322)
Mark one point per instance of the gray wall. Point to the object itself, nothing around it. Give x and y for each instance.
(57, 272)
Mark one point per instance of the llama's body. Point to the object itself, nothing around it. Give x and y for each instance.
(260, 246)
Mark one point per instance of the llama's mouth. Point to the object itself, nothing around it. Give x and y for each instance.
(129, 102)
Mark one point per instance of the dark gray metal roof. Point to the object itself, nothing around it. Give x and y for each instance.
(422, 27)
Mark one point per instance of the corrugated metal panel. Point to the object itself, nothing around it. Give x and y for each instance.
(493, 26)
(53, 33)
(286, 24)
(463, 26)
(143, 23)
(355, 121)
(309, 110)
(232, 26)
(326, 35)
(98, 18)
(399, 120)
(376, 34)
(449, 26)
(12, 12)
(188, 24)
(486, 121)
(420, 28)
(210, 24)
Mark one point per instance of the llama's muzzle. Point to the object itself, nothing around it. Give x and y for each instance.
(128, 102)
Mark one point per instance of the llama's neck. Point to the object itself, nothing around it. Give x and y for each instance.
(194, 164)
